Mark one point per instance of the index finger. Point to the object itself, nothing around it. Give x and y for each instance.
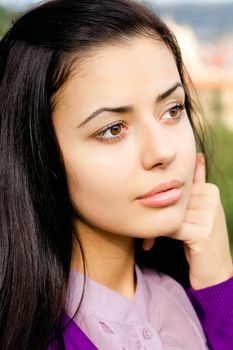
(200, 171)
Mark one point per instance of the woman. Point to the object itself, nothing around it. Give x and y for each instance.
(83, 193)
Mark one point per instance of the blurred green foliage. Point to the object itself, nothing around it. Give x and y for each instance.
(6, 16)
(220, 146)
(221, 173)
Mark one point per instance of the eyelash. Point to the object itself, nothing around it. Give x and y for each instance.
(99, 135)
(178, 108)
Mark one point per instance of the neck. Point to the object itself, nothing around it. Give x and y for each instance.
(109, 258)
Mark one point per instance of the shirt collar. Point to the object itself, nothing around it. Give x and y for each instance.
(106, 303)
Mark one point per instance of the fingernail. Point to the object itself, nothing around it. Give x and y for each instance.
(201, 158)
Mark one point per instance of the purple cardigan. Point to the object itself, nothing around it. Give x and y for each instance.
(214, 307)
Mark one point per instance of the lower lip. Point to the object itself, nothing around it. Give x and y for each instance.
(163, 199)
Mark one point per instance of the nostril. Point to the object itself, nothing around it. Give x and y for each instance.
(160, 165)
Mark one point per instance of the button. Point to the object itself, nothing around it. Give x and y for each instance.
(106, 328)
(147, 334)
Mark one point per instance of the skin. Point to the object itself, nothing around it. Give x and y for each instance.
(106, 177)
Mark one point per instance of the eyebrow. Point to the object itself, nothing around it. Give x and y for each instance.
(125, 109)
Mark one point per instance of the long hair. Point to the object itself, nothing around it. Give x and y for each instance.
(36, 230)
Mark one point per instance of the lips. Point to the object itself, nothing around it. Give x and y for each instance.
(163, 195)
(162, 188)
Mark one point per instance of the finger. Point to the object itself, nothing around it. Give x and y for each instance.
(204, 189)
(187, 233)
(200, 202)
(148, 243)
(199, 217)
(200, 171)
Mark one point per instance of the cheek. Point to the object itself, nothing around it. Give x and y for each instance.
(99, 185)
(187, 157)
(191, 153)
(186, 147)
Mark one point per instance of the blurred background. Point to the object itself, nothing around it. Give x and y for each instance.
(204, 30)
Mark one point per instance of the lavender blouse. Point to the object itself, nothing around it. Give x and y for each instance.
(159, 316)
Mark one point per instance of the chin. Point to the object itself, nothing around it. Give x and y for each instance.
(160, 223)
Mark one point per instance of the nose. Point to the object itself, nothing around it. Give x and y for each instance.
(157, 146)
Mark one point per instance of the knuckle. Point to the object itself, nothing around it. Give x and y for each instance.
(214, 190)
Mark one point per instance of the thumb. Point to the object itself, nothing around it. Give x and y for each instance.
(200, 169)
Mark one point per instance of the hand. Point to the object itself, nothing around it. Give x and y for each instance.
(204, 233)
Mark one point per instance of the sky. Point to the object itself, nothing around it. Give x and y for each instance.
(18, 3)
(23, 3)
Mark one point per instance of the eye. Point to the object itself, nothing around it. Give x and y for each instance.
(112, 132)
(174, 113)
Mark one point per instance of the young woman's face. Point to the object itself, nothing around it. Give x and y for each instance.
(115, 157)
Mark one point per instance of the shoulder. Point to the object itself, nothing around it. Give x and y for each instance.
(169, 294)
(162, 281)
(169, 308)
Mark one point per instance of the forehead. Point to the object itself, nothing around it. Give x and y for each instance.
(114, 73)
(141, 54)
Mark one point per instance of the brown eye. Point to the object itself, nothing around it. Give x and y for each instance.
(174, 112)
(113, 132)
(115, 129)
